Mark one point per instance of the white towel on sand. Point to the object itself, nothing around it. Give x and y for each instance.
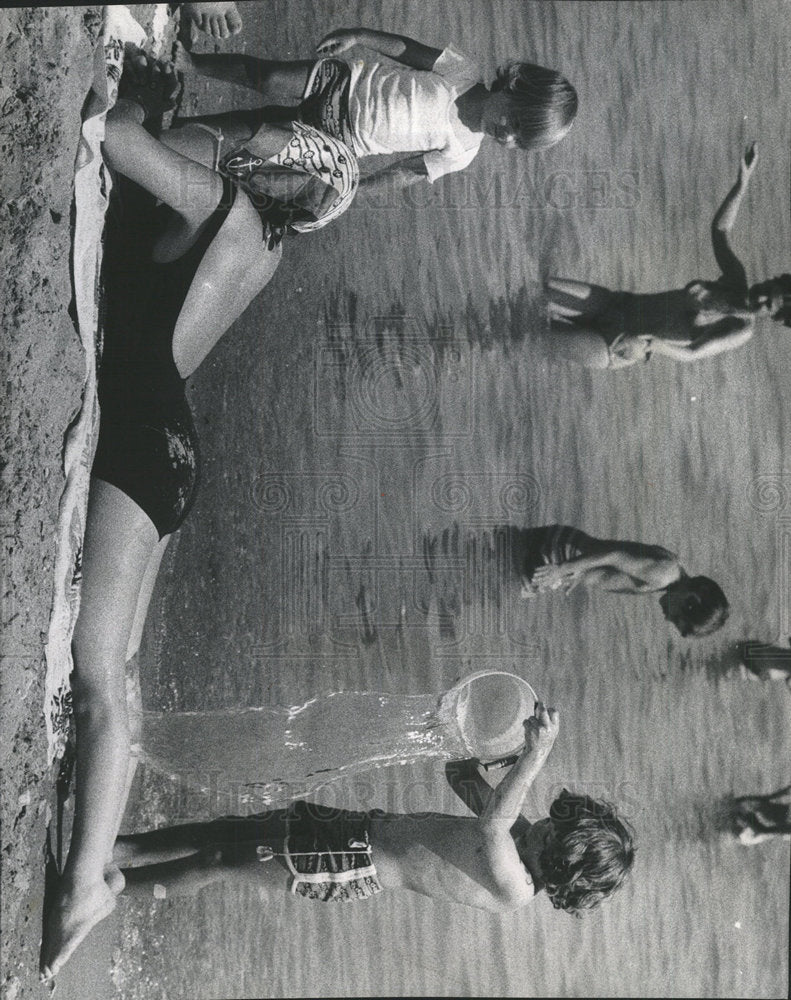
(92, 185)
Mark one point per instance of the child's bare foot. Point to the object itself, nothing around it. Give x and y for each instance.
(72, 914)
(114, 878)
(220, 20)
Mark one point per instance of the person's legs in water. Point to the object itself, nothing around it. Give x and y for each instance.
(572, 334)
(119, 542)
(576, 298)
(183, 859)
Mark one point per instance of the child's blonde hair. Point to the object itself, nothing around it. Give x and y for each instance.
(544, 103)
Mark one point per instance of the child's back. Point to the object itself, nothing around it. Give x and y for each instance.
(443, 857)
(394, 108)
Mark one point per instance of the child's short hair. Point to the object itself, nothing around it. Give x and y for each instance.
(711, 610)
(544, 103)
(589, 855)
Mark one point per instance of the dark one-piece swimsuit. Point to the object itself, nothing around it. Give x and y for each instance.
(148, 444)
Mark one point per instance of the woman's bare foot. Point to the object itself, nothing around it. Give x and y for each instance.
(72, 914)
(220, 20)
(114, 878)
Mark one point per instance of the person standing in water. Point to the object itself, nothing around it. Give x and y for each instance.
(599, 328)
(496, 860)
(559, 557)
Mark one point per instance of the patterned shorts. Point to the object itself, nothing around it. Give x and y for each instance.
(328, 854)
(325, 103)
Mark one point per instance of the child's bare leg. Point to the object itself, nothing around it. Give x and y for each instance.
(188, 876)
(276, 82)
(236, 837)
(119, 540)
(220, 20)
(185, 858)
(578, 344)
(577, 298)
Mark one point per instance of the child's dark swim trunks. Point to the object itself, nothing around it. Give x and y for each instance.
(326, 851)
(328, 854)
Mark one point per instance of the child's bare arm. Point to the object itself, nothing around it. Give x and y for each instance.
(615, 567)
(397, 175)
(513, 885)
(229, 67)
(399, 47)
(728, 334)
(469, 784)
(505, 802)
(725, 218)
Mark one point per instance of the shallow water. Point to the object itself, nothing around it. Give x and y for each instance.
(389, 386)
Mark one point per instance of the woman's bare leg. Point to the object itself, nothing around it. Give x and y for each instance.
(144, 597)
(235, 267)
(112, 874)
(186, 185)
(233, 270)
(119, 541)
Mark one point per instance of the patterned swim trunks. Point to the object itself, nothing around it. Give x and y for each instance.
(328, 854)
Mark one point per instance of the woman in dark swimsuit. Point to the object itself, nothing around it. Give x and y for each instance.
(176, 278)
(599, 328)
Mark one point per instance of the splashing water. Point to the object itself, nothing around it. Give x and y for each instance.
(248, 760)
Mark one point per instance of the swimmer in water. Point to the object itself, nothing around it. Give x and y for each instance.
(756, 818)
(599, 328)
(496, 861)
(561, 558)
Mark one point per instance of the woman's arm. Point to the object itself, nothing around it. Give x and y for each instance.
(616, 567)
(726, 335)
(725, 218)
(399, 47)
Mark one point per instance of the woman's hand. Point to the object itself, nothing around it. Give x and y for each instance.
(748, 162)
(541, 729)
(338, 41)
